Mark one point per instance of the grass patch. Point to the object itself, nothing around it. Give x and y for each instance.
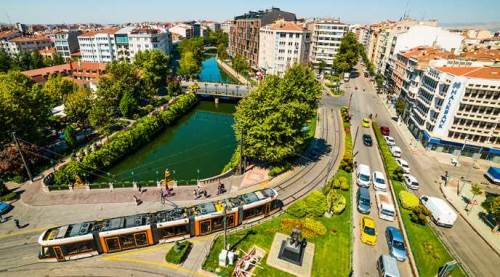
(428, 250)
(8, 196)
(179, 252)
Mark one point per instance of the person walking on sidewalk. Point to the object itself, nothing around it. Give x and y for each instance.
(137, 200)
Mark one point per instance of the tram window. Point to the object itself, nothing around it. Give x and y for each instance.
(127, 241)
(79, 247)
(253, 212)
(173, 231)
(217, 223)
(275, 204)
(205, 226)
(230, 220)
(113, 244)
(48, 252)
(141, 239)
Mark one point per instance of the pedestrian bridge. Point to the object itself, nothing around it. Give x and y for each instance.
(219, 89)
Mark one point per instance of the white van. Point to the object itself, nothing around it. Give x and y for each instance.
(396, 151)
(385, 206)
(363, 175)
(387, 266)
(441, 213)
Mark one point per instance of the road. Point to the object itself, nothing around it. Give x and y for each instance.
(365, 256)
(462, 240)
(19, 249)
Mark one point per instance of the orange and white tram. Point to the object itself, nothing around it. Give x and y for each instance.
(75, 241)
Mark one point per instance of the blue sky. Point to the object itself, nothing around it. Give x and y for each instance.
(351, 11)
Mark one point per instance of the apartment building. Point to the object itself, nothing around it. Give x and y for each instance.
(180, 31)
(27, 44)
(245, 29)
(5, 36)
(326, 35)
(66, 43)
(98, 46)
(281, 45)
(141, 39)
(457, 110)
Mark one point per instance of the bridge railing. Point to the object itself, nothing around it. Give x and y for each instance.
(223, 89)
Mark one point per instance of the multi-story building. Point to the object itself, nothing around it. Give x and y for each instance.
(122, 44)
(5, 36)
(212, 25)
(281, 45)
(457, 110)
(66, 43)
(180, 31)
(244, 32)
(27, 44)
(148, 38)
(326, 35)
(98, 46)
(226, 26)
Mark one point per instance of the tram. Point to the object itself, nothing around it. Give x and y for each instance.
(81, 240)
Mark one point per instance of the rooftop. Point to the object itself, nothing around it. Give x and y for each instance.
(282, 25)
(424, 54)
(109, 31)
(29, 38)
(491, 73)
(481, 55)
(6, 34)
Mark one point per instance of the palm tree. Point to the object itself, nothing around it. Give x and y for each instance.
(475, 190)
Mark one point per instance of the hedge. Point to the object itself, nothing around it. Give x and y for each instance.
(408, 200)
(9, 196)
(126, 141)
(179, 252)
(313, 205)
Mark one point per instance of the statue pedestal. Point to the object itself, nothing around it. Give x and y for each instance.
(293, 253)
(278, 256)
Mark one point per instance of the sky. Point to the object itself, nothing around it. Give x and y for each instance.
(349, 11)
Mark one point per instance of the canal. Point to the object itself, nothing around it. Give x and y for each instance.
(211, 72)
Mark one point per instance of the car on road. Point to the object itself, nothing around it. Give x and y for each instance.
(390, 141)
(396, 243)
(387, 266)
(365, 122)
(4, 207)
(368, 233)
(404, 165)
(385, 130)
(363, 175)
(441, 213)
(379, 182)
(367, 140)
(396, 152)
(364, 202)
(410, 181)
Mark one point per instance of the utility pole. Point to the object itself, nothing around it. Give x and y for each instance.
(22, 157)
(242, 166)
(225, 227)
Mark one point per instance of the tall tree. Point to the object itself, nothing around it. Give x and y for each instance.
(240, 64)
(36, 60)
(153, 69)
(57, 88)
(221, 51)
(128, 104)
(77, 106)
(5, 61)
(11, 163)
(188, 65)
(348, 54)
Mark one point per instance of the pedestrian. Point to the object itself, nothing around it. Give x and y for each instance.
(16, 221)
(139, 187)
(137, 200)
(195, 193)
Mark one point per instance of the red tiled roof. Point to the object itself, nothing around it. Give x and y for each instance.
(110, 31)
(492, 73)
(74, 67)
(482, 55)
(30, 38)
(6, 34)
(286, 26)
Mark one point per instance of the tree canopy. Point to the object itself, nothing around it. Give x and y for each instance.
(273, 115)
(153, 70)
(240, 64)
(348, 55)
(57, 88)
(77, 106)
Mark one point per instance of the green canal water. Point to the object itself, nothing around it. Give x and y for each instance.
(198, 146)
(211, 72)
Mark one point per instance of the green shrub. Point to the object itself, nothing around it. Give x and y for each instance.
(336, 202)
(278, 169)
(346, 164)
(408, 200)
(398, 174)
(419, 215)
(314, 227)
(9, 196)
(344, 183)
(179, 252)
(297, 209)
(315, 204)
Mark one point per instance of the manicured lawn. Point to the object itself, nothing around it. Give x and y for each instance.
(427, 248)
(179, 252)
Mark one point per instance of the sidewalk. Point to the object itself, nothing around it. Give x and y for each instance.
(471, 216)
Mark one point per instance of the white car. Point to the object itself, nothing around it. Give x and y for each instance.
(363, 175)
(396, 152)
(404, 165)
(390, 141)
(410, 181)
(379, 182)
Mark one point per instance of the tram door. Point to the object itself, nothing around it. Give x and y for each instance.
(59, 253)
(205, 226)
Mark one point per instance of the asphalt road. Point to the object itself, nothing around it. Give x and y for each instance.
(462, 240)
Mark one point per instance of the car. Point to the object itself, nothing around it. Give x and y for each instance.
(396, 243)
(410, 181)
(441, 212)
(379, 182)
(404, 165)
(385, 130)
(390, 141)
(489, 220)
(387, 266)
(364, 202)
(4, 207)
(365, 122)
(396, 152)
(367, 140)
(368, 234)
(363, 175)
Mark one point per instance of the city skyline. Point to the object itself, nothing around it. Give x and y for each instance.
(363, 11)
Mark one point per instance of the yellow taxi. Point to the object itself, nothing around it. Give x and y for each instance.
(368, 234)
(365, 122)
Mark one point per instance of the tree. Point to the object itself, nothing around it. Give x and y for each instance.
(174, 88)
(11, 163)
(128, 104)
(240, 65)
(193, 45)
(70, 136)
(36, 60)
(273, 115)
(321, 66)
(492, 206)
(5, 61)
(348, 54)
(24, 108)
(400, 106)
(24, 61)
(476, 190)
(188, 66)
(77, 106)
(57, 88)
(153, 69)
(221, 51)
(101, 115)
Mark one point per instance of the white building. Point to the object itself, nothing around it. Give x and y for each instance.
(98, 46)
(181, 30)
(66, 42)
(457, 110)
(326, 35)
(26, 44)
(140, 39)
(281, 45)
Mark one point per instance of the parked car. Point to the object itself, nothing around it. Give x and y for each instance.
(410, 181)
(385, 206)
(378, 180)
(385, 130)
(441, 213)
(364, 202)
(367, 140)
(396, 243)
(389, 140)
(489, 220)
(387, 266)
(396, 152)
(368, 233)
(365, 122)
(4, 207)
(363, 175)
(404, 164)
(493, 174)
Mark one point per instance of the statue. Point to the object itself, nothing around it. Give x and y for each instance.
(292, 248)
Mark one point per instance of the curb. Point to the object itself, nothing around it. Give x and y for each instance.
(468, 222)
